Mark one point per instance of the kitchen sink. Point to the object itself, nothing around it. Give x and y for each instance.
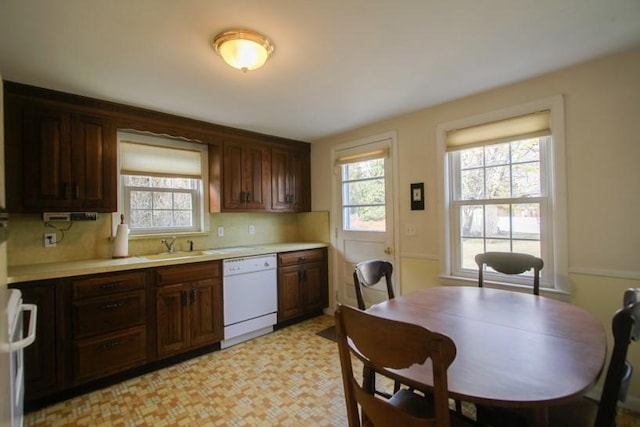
(174, 255)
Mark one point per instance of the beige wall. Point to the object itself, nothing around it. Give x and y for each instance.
(602, 119)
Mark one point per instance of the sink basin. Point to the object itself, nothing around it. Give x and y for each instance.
(174, 255)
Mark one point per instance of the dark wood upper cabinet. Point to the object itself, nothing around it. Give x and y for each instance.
(67, 159)
(246, 169)
(290, 180)
(61, 155)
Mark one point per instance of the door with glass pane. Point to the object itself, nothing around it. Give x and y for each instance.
(363, 225)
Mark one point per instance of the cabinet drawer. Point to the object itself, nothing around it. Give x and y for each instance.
(108, 354)
(186, 273)
(292, 258)
(106, 285)
(103, 314)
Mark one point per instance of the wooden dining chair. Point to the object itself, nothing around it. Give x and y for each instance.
(369, 273)
(587, 412)
(510, 263)
(394, 345)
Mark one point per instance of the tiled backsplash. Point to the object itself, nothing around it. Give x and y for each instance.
(92, 239)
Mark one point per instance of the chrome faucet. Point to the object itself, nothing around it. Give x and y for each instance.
(169, 243)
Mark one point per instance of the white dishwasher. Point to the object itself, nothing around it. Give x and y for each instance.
(250, 296)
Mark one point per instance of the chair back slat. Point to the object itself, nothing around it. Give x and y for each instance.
(370, 272)
(510, 263)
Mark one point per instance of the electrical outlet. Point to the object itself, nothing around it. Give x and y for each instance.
(220, 231)
(49, 240)
(252, 229)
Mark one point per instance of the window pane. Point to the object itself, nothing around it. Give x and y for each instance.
(471, 223)
(141, 218)
(526, 221)
(527, 246)
(140, 199)
(182, 218)
(498, 245)
(497, 154)
(364, 192)
(367, 169)
(498, 184)
(472, 158)
(182, 200)
(364, 218)
(162, 218)
(470, 248)
(526, 180)
(525, 151)
(497, 221)
(472, 184)
(162, 200)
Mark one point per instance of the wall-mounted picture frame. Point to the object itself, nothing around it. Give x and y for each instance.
(417, 196)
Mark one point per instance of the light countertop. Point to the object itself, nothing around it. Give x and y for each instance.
(54, 270)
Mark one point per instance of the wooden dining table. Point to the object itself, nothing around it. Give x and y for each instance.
(513, 349)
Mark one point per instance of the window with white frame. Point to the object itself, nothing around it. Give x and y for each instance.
(363, 191)
(162, 184)
(502, 194)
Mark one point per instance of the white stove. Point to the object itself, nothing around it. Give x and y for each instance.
(15, 347)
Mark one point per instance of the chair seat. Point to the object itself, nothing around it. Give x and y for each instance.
(422, 407)
(414, 404)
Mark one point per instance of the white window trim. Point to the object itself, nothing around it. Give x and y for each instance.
(170, 142)
(557, 185)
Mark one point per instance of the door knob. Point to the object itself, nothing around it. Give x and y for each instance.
(387, 250)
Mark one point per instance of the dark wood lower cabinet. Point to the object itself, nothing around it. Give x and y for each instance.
(101, 328)
(302, 283)
(188, 307)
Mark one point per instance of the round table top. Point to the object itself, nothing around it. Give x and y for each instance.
(513, 349)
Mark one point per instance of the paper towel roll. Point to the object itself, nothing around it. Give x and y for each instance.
(121, 243)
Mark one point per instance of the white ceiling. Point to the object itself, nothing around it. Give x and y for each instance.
(338, 64)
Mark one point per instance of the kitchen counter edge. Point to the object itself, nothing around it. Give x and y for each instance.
(56, 270)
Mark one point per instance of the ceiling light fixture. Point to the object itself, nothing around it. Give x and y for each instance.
(243, 49)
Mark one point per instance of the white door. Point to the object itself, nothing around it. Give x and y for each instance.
(5, 408)
(363, 213)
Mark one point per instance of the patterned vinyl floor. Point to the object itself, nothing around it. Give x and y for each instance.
(288, 378)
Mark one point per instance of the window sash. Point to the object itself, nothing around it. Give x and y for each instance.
(543, 200)
(195, 210)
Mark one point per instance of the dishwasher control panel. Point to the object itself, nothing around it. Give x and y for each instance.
(233, 266)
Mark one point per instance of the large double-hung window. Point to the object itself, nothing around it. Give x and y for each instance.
(162, 184)
(502, 195)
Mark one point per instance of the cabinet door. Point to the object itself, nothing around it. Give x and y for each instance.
(315, 289)
(246, 176)
(41, 357)
(289, 180)
(69, 161)
(172, 318)
(205, 299)
(233, 193)
(93, 164)
(290, 298)
(46, 156)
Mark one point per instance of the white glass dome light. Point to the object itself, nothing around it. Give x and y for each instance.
(243, 49)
